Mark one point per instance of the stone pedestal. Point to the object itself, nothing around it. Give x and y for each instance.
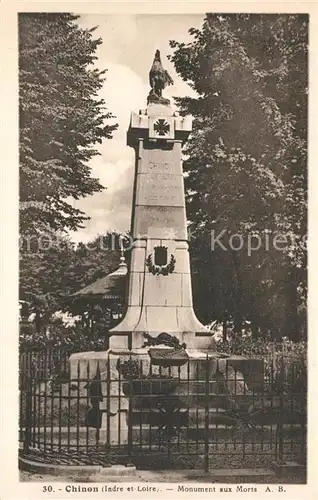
(160, 292)
(119, 389)
(85, 367)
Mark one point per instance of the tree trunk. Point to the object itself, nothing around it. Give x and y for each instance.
(238, 324)
(224, 329)
(238, 313)
(254, 329)
(37, 322)
(293, 330)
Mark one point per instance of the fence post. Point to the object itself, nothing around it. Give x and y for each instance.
(206, 420)
(304, 400)
(28, 411)
(108, 403)
(280, 425)
(130, 402)
(274, 357)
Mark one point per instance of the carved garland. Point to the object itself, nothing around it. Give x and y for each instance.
(165, 270)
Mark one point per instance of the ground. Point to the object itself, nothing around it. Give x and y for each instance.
(172, 477)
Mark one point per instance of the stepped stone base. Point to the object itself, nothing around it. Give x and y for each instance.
(241, 374)
(84, 365)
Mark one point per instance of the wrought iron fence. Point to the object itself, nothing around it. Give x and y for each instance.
(123, 409)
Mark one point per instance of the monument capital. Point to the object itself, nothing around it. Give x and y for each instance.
(158, 122)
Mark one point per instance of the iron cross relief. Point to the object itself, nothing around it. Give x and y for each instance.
(161, 126)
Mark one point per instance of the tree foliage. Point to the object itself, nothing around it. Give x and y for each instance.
(246, 171)
(61, 119)
(52, 268)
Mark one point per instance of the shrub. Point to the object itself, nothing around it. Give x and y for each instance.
(283, 361)
(73, 338)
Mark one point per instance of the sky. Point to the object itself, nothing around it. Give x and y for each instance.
(127, 51)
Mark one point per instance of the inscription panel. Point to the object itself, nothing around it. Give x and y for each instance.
(160, 189)
(160, 222)
(160, 161)
(160, 167)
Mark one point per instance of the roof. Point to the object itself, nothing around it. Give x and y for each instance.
(111, 286)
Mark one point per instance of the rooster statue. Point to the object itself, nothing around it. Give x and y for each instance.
(159, 78)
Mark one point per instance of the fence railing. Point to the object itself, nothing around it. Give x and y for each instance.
(203, 414)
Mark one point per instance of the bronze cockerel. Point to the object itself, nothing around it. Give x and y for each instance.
(159, 78)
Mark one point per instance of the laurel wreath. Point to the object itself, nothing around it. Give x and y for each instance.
(165, 270)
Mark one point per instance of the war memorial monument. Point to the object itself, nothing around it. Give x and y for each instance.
(160, 330)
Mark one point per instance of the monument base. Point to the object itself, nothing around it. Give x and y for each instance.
(125, 405)
(83, 365)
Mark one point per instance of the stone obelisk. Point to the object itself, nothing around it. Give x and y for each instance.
(160, 292)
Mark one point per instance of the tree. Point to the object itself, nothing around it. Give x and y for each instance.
(52, 269)
(61, 118)
(45, 261)
(246, 169)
